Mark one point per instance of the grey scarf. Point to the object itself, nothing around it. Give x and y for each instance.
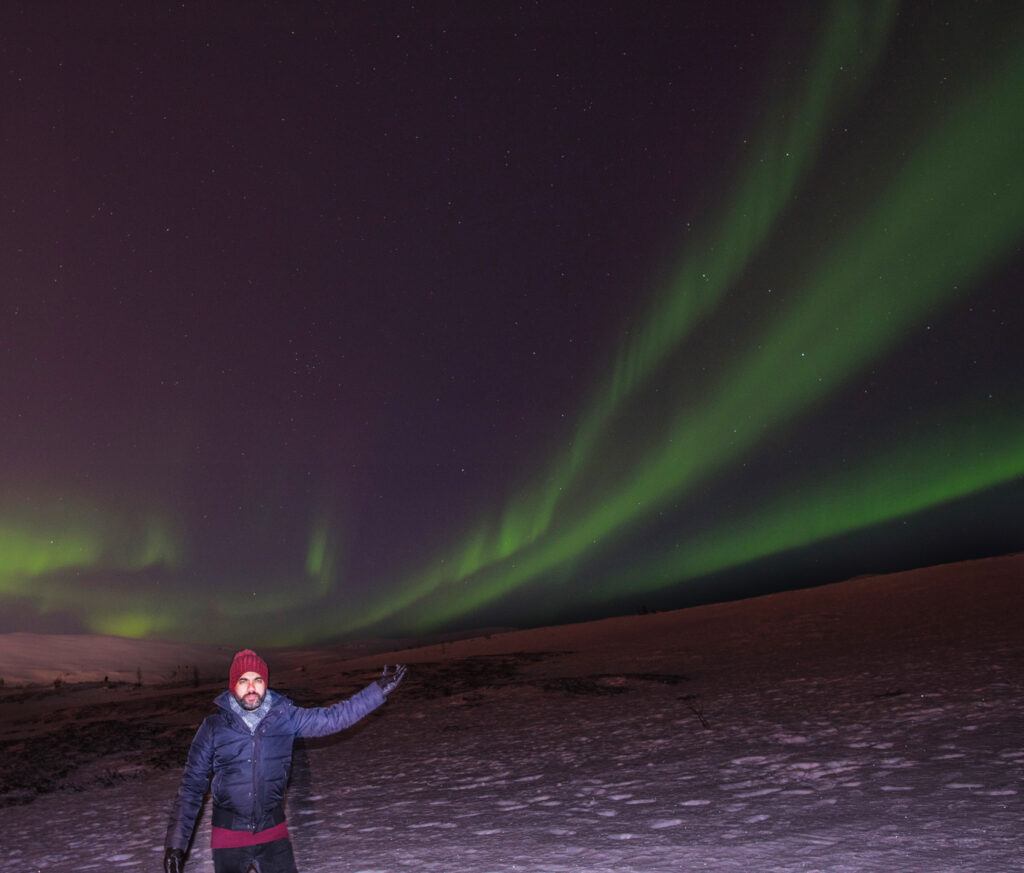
(254, 717)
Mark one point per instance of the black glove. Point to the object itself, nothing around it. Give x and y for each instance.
(174, 861)
(388, 682)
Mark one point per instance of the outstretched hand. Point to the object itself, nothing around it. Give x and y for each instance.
(389, 681)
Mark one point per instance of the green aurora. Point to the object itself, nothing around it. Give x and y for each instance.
(953, 209)
(926, 233)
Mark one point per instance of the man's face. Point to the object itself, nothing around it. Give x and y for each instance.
(250, 690)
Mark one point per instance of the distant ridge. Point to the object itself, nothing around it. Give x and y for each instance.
(982, 592)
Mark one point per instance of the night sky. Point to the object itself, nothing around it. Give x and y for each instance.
(328, 320)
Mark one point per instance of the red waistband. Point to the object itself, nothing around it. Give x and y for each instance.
(222, 838)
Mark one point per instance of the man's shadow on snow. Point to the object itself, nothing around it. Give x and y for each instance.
(304, 804)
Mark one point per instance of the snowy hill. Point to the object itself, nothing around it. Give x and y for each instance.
(868, 726)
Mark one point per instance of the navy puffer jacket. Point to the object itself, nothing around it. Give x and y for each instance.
(250, 770)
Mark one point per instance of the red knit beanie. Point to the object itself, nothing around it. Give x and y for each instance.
(247, 661)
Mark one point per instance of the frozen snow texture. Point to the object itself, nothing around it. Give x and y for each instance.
(901, 753)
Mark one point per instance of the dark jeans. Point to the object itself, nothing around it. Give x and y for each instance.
(275, 857)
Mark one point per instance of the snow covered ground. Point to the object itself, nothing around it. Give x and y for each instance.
(869, 726)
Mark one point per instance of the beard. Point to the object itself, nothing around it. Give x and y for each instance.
(251, 701)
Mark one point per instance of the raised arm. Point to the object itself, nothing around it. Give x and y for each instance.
(323, 720)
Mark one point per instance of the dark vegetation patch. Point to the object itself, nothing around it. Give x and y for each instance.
(77, 755)
(62, 746)
(603, 684)
(77, 747)
(447, 678)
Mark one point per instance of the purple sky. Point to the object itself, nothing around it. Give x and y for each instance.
(266, 263)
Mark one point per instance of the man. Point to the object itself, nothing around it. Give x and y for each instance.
(247, 748)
